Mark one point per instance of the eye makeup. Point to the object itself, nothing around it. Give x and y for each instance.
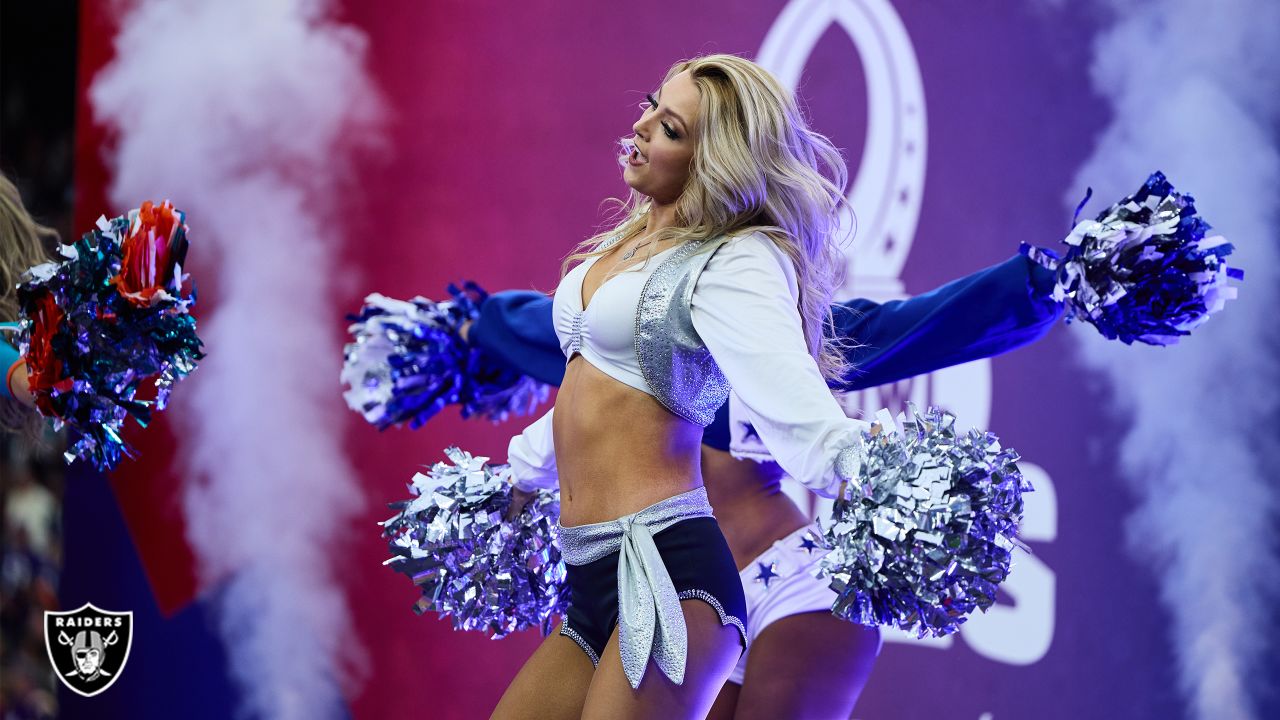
(651, 103)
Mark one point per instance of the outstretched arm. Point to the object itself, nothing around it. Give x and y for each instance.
(744, 308)
(981, 315)
(984, 314)
(516, 327)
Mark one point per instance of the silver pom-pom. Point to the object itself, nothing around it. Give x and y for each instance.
(924, 535)
(472, 565)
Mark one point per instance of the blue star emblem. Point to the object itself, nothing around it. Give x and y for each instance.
(808, 545)
(749, 431)
(766, 573)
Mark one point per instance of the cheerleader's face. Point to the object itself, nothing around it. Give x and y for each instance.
(658, 167)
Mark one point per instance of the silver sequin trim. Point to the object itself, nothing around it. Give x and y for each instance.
(848, 464)
(711, 600)
(575, 334)
(673, 359)
(573, 635)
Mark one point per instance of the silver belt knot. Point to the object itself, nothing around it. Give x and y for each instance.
(650, 622)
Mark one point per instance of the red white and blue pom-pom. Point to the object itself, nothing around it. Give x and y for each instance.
(924, 533)
(472, 565)
(1144, 270)
(107, 322)
(408, 361)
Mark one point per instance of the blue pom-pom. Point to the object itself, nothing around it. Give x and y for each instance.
(1145, 270)
(408, 361)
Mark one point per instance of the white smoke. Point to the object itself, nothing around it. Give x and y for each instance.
(242, 112)
(1195, 92)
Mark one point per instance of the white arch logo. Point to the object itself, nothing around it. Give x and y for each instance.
(888, 185)
(886, 194)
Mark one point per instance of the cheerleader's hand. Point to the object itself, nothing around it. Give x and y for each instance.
(519, 498)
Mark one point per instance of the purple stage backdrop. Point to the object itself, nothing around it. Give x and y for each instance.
(964, 124)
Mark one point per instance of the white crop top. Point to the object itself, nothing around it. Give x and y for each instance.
(605, 332)
(744, 309)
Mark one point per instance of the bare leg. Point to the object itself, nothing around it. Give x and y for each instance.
(713, 651)
(811, 665)
(726, 702)
(552, 684)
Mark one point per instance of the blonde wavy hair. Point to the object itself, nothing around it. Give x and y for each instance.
(23, 243)
(757, 167)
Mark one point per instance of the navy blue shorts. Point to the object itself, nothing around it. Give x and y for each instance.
(699, 562)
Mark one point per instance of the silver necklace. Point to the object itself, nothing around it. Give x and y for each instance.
(632, 252)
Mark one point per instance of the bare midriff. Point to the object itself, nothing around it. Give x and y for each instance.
(618, 450)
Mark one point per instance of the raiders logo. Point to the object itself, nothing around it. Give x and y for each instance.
(88, 647)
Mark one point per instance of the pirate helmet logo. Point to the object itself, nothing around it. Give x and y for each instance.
(88, 647)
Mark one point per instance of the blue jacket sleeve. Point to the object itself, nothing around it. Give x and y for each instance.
(990, 312)
(981, 315)
(516, 327)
